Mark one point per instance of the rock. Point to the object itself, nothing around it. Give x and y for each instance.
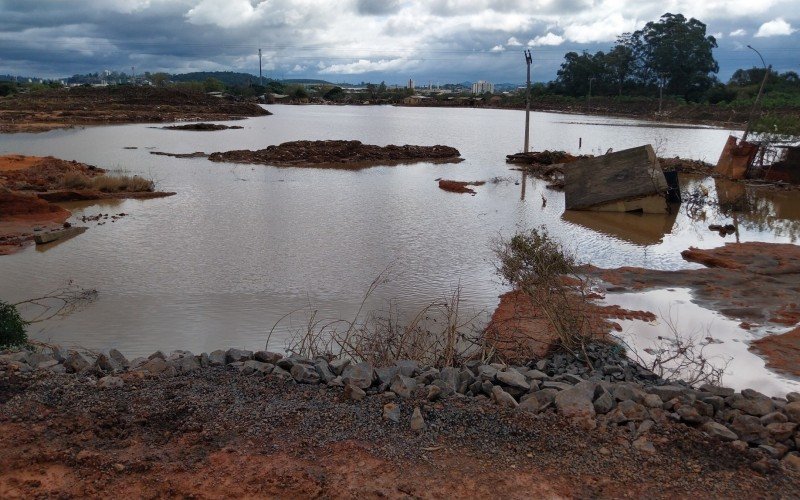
(628, 411)
(157, 354)
(749, 429)
(667, 392)
(792, 461)
(740, 445)
(775, 417)
(723, 392)
(293, 360)
(756, 406)
(719, 431)
(110, 382)
(605, 403)
(155, 366)
(503, 399)
(428, 376)
(217, 358)
(360, 375)
(781, 431)
(763, 466)
(434, 392)
(652, 401)
(690, 415)
(465, 379)
(773, 451)
(338, 365)
(561, 386)
(391, 412)
(252, 366)
(233, 355)
(417, 422)
(324, 370)
(354, 392)
(47, 365)
(793, 397)
(305, 374)
(451, 376)
(571, 378)
(716, 402)
(513, 378)
(576, 402)
(529, 405)
(792, 411)
(536, 375)
(642, 444)
(753, 394)
(75, 362)
(336, 382)
(546, 397)
(118, 358)
(268, 357)
(386, 374)
(185, 364)
(107, 365)
(407, 367)
(403, 386)
(487, 373)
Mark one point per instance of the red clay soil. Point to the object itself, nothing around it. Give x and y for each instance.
(459, 186)
(520, 331)
(28, 187)
(352, 155)
(782, 352)
(60, 108)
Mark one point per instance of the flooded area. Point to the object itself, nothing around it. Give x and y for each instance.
(240, 246)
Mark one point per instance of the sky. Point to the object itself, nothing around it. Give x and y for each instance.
(433, 41)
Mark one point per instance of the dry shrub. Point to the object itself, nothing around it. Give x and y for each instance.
(76, 180)
(437, 335)
(122, 183)
(542, 269)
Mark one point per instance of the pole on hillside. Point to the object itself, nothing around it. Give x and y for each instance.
(260, 76)
(758, 97)
(528, 61)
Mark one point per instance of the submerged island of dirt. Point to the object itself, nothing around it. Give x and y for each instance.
(29, 185)
(67, 107)
(202, 127)
(338, 154)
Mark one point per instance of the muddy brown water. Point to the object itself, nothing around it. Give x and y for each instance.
(240, 246)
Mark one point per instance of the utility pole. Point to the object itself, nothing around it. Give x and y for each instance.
(589, 96)
(133, 71)
(528, 61)
(260, 76)
(760, 92)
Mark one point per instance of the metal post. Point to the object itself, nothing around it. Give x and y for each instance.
(528, 60)
(660, 94)
(260, 76)
(589, 96)
(760, 92)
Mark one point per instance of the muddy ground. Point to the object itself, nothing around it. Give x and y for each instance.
(351, 155)
(68, 107)
(216, 433)
(29, 188)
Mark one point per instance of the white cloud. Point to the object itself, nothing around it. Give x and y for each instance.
(367, 66)
(739, 32)
(497, 48)
(223, 13)
(776, 27)
(602, 30)
(550, 39)
(513, 42)
(298, 68)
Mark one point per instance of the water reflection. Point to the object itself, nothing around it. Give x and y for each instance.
(639, 229)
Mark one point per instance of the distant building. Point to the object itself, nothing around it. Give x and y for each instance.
(411, 84)
(481, 87)
(414, 100)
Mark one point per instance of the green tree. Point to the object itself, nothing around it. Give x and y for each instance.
(12, 327)
(213, 85)
(159, 79)
(678, 51)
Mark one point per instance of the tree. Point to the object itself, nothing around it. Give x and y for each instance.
(678, 51)
(159, 79)
(620, 62)
(213, 85)
(576, 70)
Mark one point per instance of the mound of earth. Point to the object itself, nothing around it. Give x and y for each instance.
(59, 108)
(459, 186)
(338, 154)
(202, 127)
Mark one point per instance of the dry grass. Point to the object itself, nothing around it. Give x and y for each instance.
(107, 183)
(439, 334)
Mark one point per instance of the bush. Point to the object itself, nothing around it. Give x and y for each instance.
(107, 183)
(12, 327)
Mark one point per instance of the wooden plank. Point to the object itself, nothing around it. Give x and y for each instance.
(615, 180)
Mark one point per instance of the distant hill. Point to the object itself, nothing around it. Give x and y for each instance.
(309, 81)
(226, 77)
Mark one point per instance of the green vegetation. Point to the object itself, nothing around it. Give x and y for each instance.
(12, 327)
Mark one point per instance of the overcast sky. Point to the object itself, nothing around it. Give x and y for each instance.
(367, 40)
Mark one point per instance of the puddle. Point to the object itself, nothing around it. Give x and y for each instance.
(724, 341)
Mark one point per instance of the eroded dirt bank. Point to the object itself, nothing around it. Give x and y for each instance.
(60, 108)
(215, 433)
(338, 154)
(29, 185)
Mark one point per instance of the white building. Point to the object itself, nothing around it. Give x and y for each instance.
(481, 87)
